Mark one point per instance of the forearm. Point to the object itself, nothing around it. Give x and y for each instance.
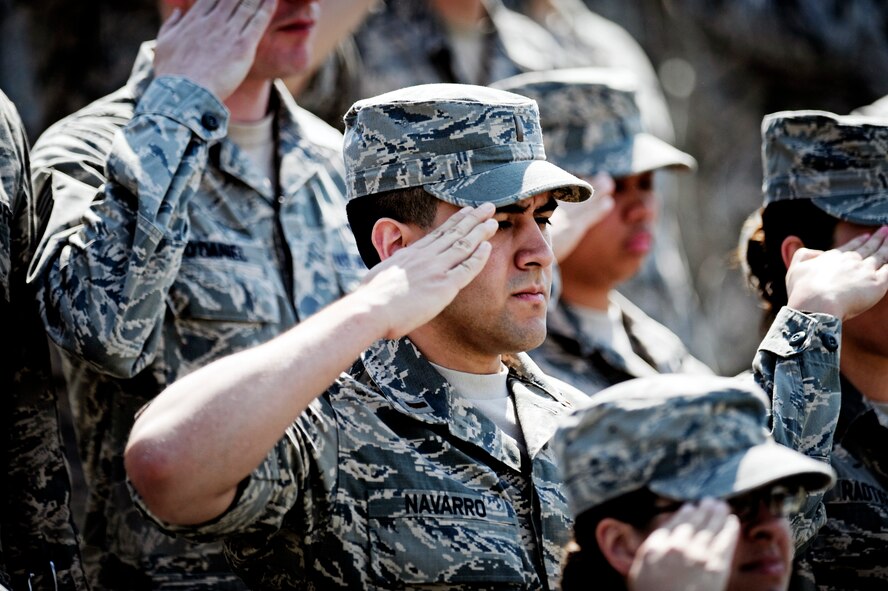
(195, 443)
(798, 366)
(113, 251)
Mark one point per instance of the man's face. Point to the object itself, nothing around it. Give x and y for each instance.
(613, 250)
(285, 47)
(503, 310)
(858, 332)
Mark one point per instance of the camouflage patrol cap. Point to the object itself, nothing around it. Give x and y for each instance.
(683, 437)
(591, 122)
(464, 144)
(839, 162)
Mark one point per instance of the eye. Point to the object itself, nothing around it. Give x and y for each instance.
(544, 221)
(504, 224)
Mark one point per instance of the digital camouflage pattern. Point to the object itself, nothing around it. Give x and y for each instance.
(392, 481)
(577, 357)
(464, 144)
(167, 249)
(841, 535)
(682, 437)
(591, 122)
(37, 535)
(850, 551)
(838, 162)
(403, 44)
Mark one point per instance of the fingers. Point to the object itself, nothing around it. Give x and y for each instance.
(603, 183)
(174, 19)
(455, 227)
(468, 269)
(873, 242)
(259, 16)
(725, 540)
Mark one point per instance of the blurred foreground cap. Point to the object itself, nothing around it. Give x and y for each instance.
(684, 437)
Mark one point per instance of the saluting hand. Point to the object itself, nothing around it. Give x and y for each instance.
(214, 43)
(692, 551)
(571, 221)
(418, 281)
(844, 281)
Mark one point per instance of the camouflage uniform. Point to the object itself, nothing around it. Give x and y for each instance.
(390, 480)
(578, 358)
(838, 163)
(166, 249)
(591, 123)
(39, 540)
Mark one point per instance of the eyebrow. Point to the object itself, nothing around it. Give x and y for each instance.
(549, 205)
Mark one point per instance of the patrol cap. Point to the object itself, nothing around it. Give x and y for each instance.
(591, 122)
(683, 437)
(839, 162)
(464, 144)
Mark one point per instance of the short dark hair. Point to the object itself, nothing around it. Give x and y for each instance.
(413, 205)
(761, 240)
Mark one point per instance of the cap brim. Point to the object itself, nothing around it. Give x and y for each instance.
(758, 466)
(511, 183)
(868, 210)
(643, 153)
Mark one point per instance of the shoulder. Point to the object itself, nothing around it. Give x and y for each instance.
(87, 133)
(313, 131)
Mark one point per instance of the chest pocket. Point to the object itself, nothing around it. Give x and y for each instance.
(427, 537)
(225, 289)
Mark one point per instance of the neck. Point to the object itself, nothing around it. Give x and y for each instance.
(866, 369)
(540, 9)
(588, 297)
(440, 352)
(460, 13)
(249, 103)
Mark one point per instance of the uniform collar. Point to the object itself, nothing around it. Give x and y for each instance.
(414, 387)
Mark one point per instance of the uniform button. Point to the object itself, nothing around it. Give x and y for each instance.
(210, 121)
(797, 338)
(830, 341)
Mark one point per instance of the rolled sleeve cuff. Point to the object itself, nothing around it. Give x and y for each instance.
(263, 498)
(188, 103)
(794, 332)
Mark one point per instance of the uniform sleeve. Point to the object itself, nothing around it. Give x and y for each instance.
(296, 481)
(119, 226)
(797, 364)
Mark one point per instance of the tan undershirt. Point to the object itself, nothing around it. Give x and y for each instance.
(256, 140)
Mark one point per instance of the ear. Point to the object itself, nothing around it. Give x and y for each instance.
(789, 247)
(618, 542)
(389, 236)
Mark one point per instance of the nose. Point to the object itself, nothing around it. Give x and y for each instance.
(640, 205)
(765, 525)
(535, 248)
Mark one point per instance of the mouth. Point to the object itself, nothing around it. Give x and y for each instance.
(639, 242)
(770, 566)
(535, 294)
(296, 25)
